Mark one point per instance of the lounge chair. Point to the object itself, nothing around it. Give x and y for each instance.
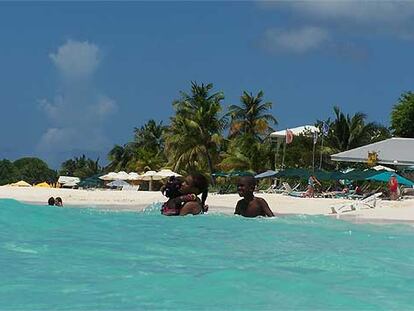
(292, 191)
(271, 189)
(368, 202)
(130, 188)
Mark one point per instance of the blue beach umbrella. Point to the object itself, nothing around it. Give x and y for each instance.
(385, 176)
(118, 183)
(220, 174)
(241, 173)
(268, 173)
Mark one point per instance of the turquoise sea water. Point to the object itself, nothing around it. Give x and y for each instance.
(88, 259)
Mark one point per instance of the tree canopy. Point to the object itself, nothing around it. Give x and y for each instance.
(402, 116)
(206, 135)
(81, 167)
(195, 133)
(31, 170)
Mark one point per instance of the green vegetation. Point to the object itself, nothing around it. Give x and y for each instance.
(81, 167)
(208, 135)
(402, 116)
(194, 137)
(31, 170)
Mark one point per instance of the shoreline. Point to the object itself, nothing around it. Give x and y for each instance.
(386, 212)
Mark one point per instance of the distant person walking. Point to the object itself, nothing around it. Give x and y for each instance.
(310, 193)
(393, 187)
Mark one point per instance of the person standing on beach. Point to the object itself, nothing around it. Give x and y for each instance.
(250, 206)
(310, 193)
(393, 187)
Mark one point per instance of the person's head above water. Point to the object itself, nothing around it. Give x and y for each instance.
(246, 185)
(58, 201)
(51, 201)
(195, 183)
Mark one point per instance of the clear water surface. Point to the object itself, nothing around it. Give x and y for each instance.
(88, 259)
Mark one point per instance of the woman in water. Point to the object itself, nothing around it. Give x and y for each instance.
(188, 202)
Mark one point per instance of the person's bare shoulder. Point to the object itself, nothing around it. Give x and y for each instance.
(238, 207)
(260, 200)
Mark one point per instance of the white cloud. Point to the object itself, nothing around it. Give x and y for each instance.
(363, 17)
(366, 12)
(340, 27)
(77, 114)
(76, 59)
(294, 40)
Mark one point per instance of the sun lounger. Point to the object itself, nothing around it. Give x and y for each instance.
(292, 191)
(130, 188)
(368, 202)
(287, 189)
(272, 189)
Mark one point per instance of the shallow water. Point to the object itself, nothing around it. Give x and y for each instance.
(88, 259)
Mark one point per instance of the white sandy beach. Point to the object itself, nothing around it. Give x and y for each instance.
(389, 211)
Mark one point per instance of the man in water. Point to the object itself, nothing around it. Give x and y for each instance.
(250, 206)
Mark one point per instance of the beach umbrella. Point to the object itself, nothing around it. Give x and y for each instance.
(220, 174)
(109, 176)
(360, 175)
(118, 183)
(133, 176)
(21, 183)
(43, 185)
(327, 175)
(294, 172)
(92, 181)
(70, 184)
(241, 173)
(385, 177)
(165, 173)
(150, 176)
(383, 168)
(122, 175)
(409, 168)
(268, 173)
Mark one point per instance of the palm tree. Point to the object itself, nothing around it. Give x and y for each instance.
(250, 124)
(347, 132)
(81, 167)
(193, 139)
(251, 117)
(150, 136)
(120, 157)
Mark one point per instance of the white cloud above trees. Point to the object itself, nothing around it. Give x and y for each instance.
(77, 113)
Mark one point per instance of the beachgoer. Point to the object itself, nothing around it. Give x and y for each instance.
(358, 190)
(58, 201)
(311, 186)
(188, 202)
(393, 187)
(250, 206)
(51, 201)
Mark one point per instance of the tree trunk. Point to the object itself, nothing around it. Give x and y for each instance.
(210, 165)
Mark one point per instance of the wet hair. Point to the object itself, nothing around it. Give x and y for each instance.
(249, 180)
(51, 201)
(58, 200)
(200, 182)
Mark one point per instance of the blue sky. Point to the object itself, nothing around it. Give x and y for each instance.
(78, 77)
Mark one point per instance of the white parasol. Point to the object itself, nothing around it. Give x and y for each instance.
(109, 176)
(134, 176)
(165, 173)
(150, 176)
